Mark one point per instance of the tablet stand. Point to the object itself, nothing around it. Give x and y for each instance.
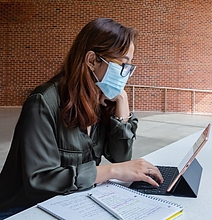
(188, 184)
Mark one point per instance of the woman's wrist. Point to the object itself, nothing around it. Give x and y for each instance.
(120, 118)
(108, 171)
(122, 112)
(105, 172)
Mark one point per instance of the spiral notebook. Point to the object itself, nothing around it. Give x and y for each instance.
(112, 201)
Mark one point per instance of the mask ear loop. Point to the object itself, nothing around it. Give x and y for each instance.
(95, 76)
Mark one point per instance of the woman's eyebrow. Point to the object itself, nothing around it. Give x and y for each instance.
(126, 57)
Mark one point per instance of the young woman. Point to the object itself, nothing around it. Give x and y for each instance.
(68, 123)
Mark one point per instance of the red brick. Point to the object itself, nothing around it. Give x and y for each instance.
(174, 48)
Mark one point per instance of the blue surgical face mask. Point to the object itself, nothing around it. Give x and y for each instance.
(114, 79)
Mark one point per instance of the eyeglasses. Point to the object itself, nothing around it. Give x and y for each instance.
(127, 69)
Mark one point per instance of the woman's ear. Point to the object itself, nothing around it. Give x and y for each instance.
(90, 59)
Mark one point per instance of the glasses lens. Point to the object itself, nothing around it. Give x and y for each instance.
(132, 70)
(127, 69)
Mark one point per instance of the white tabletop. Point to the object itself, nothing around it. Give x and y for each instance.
(194, 208)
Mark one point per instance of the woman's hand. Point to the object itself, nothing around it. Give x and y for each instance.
(119, 98)
(134, 170)
(122, 105)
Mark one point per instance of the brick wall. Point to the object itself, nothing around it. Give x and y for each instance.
(174, 47)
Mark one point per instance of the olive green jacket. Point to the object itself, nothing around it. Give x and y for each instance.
(47, 159)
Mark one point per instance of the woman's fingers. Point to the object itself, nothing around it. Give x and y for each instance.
(153, 176)
(140, 169)
(102, 100)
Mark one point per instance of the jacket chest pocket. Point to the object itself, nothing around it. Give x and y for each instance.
(70, 157)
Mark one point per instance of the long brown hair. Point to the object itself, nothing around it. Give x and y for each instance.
(78, 92)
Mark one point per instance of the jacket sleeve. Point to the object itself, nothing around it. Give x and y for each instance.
(43, 174)
(120, 139)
